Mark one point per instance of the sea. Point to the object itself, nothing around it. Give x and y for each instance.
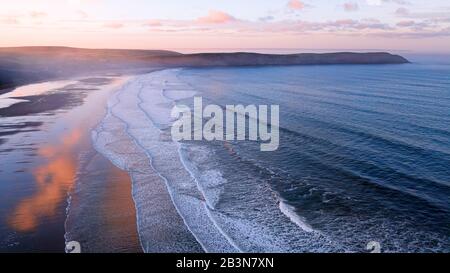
(364, 159)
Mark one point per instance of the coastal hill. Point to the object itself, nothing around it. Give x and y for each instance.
(20, 65)
(254, 59)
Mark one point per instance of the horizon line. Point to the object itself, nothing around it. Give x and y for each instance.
(244, 50)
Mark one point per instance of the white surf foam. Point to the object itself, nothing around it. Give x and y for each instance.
(289, 211)
(179, 94)
(159, 226)
(135, 107)
(250, 221)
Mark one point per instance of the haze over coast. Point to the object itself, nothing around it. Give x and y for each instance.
(20, 65)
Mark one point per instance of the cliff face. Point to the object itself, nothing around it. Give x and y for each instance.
(27, 64)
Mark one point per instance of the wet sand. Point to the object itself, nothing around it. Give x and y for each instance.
(6, 88)
(63, 98)
(102, 216)
(46, 156)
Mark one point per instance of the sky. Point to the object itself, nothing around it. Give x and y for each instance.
(395, 25)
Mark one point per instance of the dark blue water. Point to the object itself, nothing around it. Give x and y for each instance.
(364, 150)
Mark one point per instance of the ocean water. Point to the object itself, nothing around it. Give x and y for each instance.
(13, 97)
(364, 156)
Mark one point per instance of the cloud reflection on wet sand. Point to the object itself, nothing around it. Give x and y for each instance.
(53, 180)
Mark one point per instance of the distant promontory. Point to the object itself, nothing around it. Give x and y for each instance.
(20, 65)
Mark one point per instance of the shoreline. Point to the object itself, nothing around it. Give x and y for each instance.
(162, 229)
(135, 131)
(127, 148)
(101, 214)
(58, 145)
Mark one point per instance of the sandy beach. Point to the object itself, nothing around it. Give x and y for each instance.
(45, 152)
(225, 133)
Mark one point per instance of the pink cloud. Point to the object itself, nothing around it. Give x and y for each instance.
(402, 12)
(399, 2)
(37, 14)
(153, 23)
(216, 17)
(351, 6)
(82, 14)
(113, 25)
(296, 5)
(9, 20)
(406, 23)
